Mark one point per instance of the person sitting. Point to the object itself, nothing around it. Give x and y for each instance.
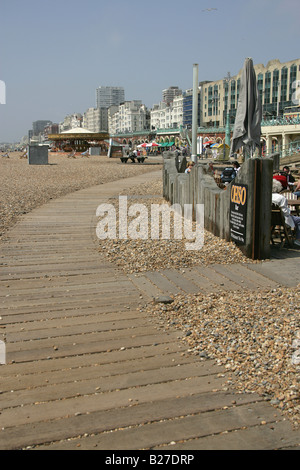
(280, 201)
(289, 176)
(282, 179)
(189, 167)
(236, 166)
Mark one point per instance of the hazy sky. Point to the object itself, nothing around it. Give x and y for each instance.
(55, 53)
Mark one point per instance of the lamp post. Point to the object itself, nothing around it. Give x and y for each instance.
(195, 113)
(278, 96)
(226, 80)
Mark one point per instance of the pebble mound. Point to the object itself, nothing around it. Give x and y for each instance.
(138, 255)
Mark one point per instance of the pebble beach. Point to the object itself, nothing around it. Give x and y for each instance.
(252, 335)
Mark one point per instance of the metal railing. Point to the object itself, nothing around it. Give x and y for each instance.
(285, 151)
(281, 121)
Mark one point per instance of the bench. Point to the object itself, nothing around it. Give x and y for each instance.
(133, 159)
(293, 201)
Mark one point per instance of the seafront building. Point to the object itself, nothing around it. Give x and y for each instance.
(71, 121)
(164, 116)
(107, 96)
(130, 116)
(95, 119)
(36, 134)
(170, 93)
(171, 119)
(278, 85)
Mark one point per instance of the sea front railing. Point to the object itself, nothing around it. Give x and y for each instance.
(281, 121)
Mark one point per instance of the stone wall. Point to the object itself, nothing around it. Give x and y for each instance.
(199, 187)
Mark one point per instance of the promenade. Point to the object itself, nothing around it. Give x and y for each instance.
(87, 368)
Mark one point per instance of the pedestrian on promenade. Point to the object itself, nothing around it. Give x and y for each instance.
(280, 201)
(189, 167)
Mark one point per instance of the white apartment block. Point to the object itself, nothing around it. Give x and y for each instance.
(71, 121)
(96, 119)
(177, 111)
(130, 116)
(163, 116)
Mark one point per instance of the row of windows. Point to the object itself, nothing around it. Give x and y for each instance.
(263, 81)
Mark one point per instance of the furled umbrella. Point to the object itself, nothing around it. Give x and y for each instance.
(247, 126)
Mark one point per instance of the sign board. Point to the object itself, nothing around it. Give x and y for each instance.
(238, 213)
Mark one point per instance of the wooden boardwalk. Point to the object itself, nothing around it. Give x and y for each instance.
(87, 370)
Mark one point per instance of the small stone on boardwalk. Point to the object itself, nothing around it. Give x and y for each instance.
(163, 299)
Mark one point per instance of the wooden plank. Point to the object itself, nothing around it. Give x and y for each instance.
(180, 280)
(32, 314)
(107, 420)
(187, 427)
(222, 282)
(74, 386)
(162, 282)
(70, 300)
(84, 347)
(63, 333)
(28, 378)
(259, 279)
(145, 285)
(16, 370)
(202, 282)
(230, 272)
(109, 400)
(271, 436)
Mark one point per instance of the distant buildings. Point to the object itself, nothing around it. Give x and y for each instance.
(169, 94)
(130, 116)
(167, 116)
(177, 112)
(107, 96)
(37, 132)
(96, 119)
(71, 121)
(217, 100)
(51, 129)
(39, 126)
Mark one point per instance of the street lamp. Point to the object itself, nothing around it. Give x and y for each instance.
(227, 80)
(195, 113)
(278, 96)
